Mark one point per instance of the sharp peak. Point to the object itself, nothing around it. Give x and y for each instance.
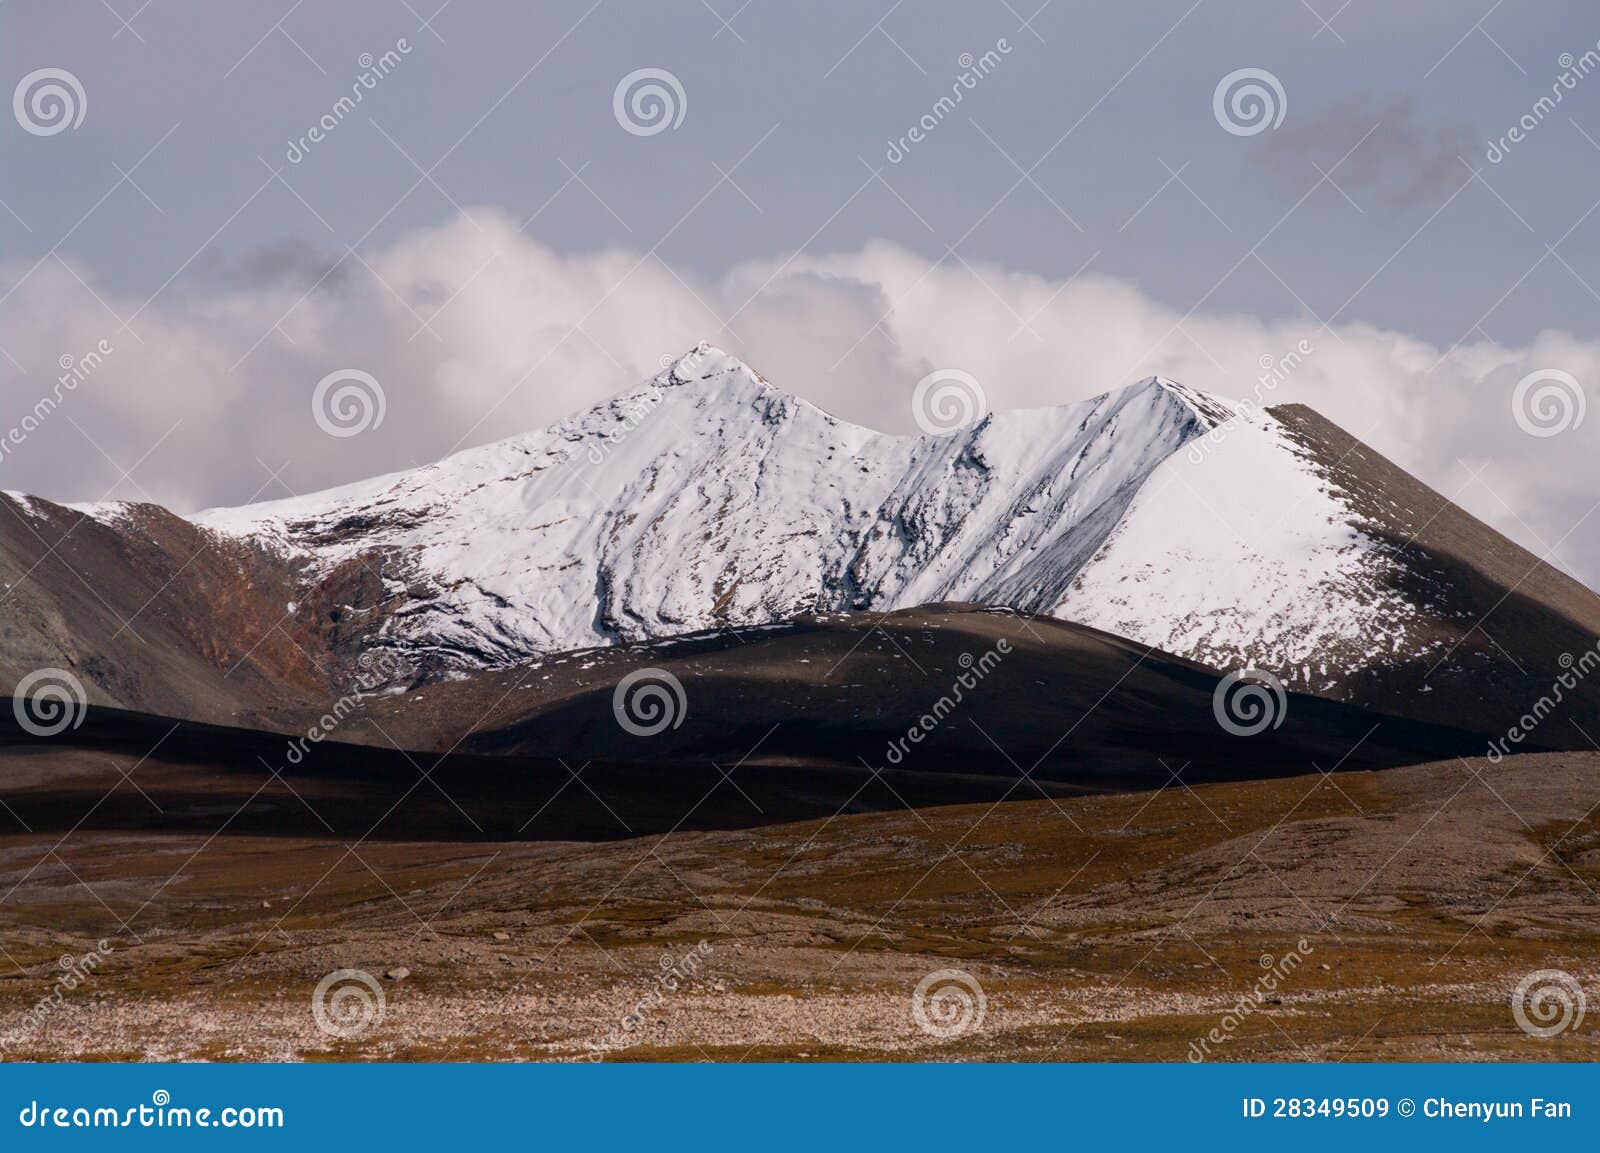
(1210, 408)
(706, 362)
(702, 362)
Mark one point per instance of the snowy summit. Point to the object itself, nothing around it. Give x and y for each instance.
(705, 497)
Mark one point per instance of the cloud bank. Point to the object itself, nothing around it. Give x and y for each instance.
(475, 332)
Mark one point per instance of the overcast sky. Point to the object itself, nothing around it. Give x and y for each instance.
(497, 235)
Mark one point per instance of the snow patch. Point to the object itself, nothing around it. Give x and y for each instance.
(1243, 555)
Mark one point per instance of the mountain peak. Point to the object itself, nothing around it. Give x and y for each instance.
(705, 498)
(1211, 410)
(702, 362)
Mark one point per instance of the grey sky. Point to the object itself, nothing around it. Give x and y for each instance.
(800, 66)
(1107, 108)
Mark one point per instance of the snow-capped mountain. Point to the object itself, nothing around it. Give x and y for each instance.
(706, 497)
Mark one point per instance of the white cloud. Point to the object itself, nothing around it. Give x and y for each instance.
(519, 335)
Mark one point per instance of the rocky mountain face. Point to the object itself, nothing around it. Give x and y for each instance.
(705, 499)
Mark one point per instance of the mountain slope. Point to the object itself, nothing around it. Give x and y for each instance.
(706, 499)
(147, 610)
(855, 711)
(990, 691)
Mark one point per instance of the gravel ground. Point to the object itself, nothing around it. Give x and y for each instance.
(1373, 916)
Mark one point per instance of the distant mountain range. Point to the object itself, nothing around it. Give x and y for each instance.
(707, 499)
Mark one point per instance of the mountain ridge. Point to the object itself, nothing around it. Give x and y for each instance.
(706, 498)
(849, 518)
